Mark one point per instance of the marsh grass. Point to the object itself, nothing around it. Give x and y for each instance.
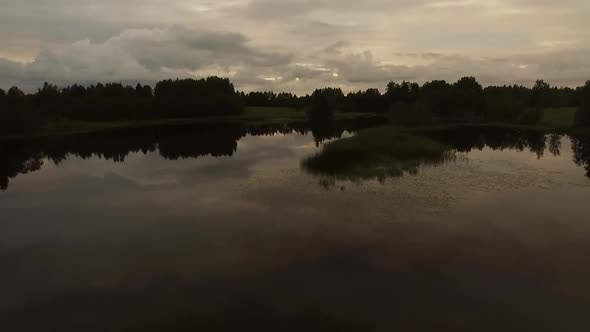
(376, 153)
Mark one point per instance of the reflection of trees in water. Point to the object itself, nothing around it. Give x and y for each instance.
(465, 139)
(468, 138)
(179, 142)
(325, 131)
(15, 161)
(581, 148)
(554, 144)
(377, 153)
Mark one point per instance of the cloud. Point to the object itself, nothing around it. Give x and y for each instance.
(142, 55)
(151, 55)
(294, 45)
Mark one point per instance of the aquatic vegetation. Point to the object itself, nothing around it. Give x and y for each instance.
(376, 153)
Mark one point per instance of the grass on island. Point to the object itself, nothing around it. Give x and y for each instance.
(376, 153)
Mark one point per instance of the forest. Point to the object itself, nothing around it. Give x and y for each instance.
(405, 103)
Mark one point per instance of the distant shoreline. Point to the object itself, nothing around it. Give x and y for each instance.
(253, 116)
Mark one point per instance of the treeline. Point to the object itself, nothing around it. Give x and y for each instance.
(583, 113)
(212, 96)
(410, 103)
(466, 100)
(272, 99)
(407, 103)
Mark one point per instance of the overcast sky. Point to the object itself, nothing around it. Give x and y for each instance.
(294, 45)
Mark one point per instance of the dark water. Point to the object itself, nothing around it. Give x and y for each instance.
(220, 229)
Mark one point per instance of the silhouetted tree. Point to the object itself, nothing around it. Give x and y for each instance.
(144, 91)
(469, 97)
(190, 97)
(74, 91)
(583, 112)
(15, 92)
(370, 100)
(18, 113)
(48, 98)
(540, 94)
(270, 99)
(48, 90)
(405, 92)
(324, 103)
(506, 103)
(439, 96)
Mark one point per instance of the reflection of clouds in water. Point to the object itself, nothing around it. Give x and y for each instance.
(549, 171)
(255, 152)
(344, 261)
(160, 231)
(291, 141)
(109, 191)
(273, 162)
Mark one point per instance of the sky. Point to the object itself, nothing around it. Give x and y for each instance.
(294, 45)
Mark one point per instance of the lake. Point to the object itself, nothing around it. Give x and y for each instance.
(222, 229)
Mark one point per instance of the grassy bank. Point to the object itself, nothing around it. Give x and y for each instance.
(376, 153)
(553, 119)
(559, 118)
(251, 116)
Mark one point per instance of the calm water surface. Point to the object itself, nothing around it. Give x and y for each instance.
(223, 230)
